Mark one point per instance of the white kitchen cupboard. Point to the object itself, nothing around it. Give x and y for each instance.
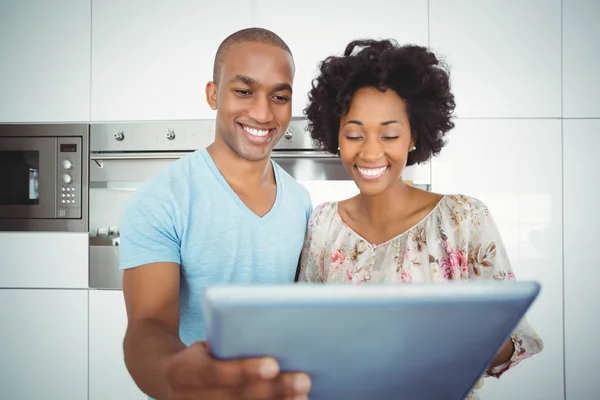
(582, 272)
(45, 68)
(581, 58)
(151, 59)
(109, 378)
(514, 166)
(315, 29)
(505, 56)
(50, 260)
(44, 350)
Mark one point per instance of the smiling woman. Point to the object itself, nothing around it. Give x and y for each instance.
(382, 108)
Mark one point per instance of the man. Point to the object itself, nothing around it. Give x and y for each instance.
(225, 214)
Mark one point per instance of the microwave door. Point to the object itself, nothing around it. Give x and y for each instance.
(28, 178)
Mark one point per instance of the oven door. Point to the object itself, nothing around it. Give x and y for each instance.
(28, 178)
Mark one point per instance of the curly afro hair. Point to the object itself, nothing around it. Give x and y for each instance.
(413, 72)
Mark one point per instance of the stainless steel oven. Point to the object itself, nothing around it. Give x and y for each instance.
(123, 155)
(44, 177)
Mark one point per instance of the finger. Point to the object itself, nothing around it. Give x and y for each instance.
(234, 373)
(287, 386)
(240, 372)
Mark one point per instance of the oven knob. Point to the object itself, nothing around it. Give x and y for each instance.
(288, 134)
(171, 134)
(119, 136)
(67, 164)
(67, 178)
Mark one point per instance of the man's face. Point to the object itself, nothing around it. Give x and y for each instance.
(253, 98)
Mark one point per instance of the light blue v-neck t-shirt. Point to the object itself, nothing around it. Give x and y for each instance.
(188, 214)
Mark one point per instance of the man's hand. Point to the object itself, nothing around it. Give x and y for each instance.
(193, 374)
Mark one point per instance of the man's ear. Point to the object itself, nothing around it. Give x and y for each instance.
(211, 95)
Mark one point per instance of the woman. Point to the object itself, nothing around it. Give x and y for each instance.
(382, 107)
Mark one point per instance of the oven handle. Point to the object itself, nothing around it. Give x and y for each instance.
(176, 155)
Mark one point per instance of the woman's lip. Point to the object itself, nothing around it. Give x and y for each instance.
(369, 176)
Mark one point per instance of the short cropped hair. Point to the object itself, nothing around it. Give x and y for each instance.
(413, 72)
(248, 35)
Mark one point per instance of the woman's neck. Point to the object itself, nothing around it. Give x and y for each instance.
(379, 210)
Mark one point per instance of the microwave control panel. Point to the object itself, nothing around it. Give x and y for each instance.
(69, 177)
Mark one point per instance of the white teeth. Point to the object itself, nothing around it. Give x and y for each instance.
(372, 172)
(256, 132)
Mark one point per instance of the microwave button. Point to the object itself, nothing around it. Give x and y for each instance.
(67, 164)
(67, 178)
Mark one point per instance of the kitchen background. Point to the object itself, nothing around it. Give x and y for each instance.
(525, 75)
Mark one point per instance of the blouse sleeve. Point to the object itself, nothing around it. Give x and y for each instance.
(311, 258)
(488, 259)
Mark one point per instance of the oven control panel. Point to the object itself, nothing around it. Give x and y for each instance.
(69, 174)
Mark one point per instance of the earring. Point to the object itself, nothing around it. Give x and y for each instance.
(338, 148)
(413, 148)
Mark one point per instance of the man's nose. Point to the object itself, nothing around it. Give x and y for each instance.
(261, 110)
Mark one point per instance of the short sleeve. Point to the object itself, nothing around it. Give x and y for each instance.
(148, 232)
(488, 259)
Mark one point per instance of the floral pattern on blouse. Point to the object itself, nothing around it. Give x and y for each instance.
(457, 241)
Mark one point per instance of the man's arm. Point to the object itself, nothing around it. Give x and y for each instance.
(151, 294)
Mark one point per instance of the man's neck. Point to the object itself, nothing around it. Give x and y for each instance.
(238, 170)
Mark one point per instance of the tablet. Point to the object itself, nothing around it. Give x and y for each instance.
(388, 341)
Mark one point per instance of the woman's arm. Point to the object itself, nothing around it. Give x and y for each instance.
(487, 259)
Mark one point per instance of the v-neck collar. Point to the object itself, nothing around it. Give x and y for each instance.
(248, 212)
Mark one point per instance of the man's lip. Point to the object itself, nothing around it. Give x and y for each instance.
(256, 127)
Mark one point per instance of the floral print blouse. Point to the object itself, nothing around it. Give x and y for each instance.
(457, 241)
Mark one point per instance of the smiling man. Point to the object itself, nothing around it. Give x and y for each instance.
(225, 214)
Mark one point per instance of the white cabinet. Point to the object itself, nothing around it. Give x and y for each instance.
(151, 59)
(514, 166)
(316, 29)
(109, 378)
(581, 58)
(582, 230)
(44, 344)
(45, 68)
(44, 260)
(504, 55)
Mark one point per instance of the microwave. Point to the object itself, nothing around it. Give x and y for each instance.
(44, 177)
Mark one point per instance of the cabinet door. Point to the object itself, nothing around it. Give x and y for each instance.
(59, 260)
(323, 28)
(504, 55)
(152, 59)
(44, 344)
(514, 166)
(45, 68)
(109, 378)
(581, 59)
(582, 230)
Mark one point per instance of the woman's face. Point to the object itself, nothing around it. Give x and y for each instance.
(375, 139)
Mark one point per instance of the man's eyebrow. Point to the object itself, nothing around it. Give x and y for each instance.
(282, 86)
(244, 79)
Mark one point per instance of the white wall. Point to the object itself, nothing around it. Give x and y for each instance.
(525, 78)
